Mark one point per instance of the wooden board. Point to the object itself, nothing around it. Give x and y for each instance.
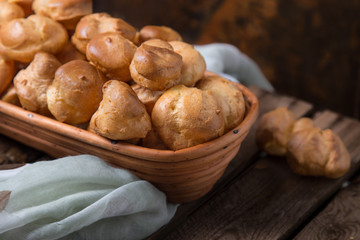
(242, 160)
(341, 217)
(270, 201)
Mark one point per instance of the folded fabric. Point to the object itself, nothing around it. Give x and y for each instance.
(228, 61)
(80, 197)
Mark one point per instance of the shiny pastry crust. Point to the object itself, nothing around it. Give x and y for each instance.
(194, 65)
(156, 66)
(303, 124)
(75, 93)
(22, 38)
(7, 72)
(32, 83)
(146, 96)
(9, 11)
(230, 99)
(67, 12)
(316, 152)
(159, 32)
(112, 54)
(185, 117)
(93, 24)
(69, 53)
(121, 115)
(274, 130)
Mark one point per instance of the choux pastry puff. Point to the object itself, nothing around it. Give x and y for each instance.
(76, 92)
(32, 83)
(185, 117)
(121, 115)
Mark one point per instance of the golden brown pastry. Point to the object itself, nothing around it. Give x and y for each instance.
(153, 140)
(96, 23)
(147, 97)
(274, 130)
(160, 32)
(230, 99)
(156, 66)
(67, 12)
(75, 93)
(185, 117)
(112, 54)
(303, 124)
(10, 96)
(22, 38)
(7, 72)
(69, 53)
(9, 11)
(194, 65)
(25, 5)
(32, 83)
(121, 115)
(316, 152)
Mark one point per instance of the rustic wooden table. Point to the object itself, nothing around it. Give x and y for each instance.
(259, 197)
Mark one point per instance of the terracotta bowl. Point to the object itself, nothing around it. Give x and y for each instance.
(184, 175)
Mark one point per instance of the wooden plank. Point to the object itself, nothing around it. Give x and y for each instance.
(268, 201)
(243, 159)
(340, 219)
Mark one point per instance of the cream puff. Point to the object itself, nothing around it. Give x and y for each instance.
(193, 67)
(112, 54)
(93, 24)
(230, 99)
(32, 83)
(156, 66)
(185, 117)
(76, 92)
(22, 38)
(121, 115)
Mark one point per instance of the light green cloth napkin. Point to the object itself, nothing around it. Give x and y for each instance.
(80, 197)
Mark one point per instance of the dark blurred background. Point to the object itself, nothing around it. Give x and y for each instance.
(309, 49)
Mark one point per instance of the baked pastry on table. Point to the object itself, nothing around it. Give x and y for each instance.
(32, 83)
(22, 38)
(274, 130)
(76, 92)
(112, 54)
(185, 117)
(159, 32)
(156, 66)
(193, 67)
(9, 11)
(93, 24)
(66, 12)
(316, 152)
(121, 115)
(230, 99)
(7, 72)
(301, 124)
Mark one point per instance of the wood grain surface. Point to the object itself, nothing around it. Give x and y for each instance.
(340, 219)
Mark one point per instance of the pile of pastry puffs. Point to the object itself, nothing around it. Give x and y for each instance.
(92, 70)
